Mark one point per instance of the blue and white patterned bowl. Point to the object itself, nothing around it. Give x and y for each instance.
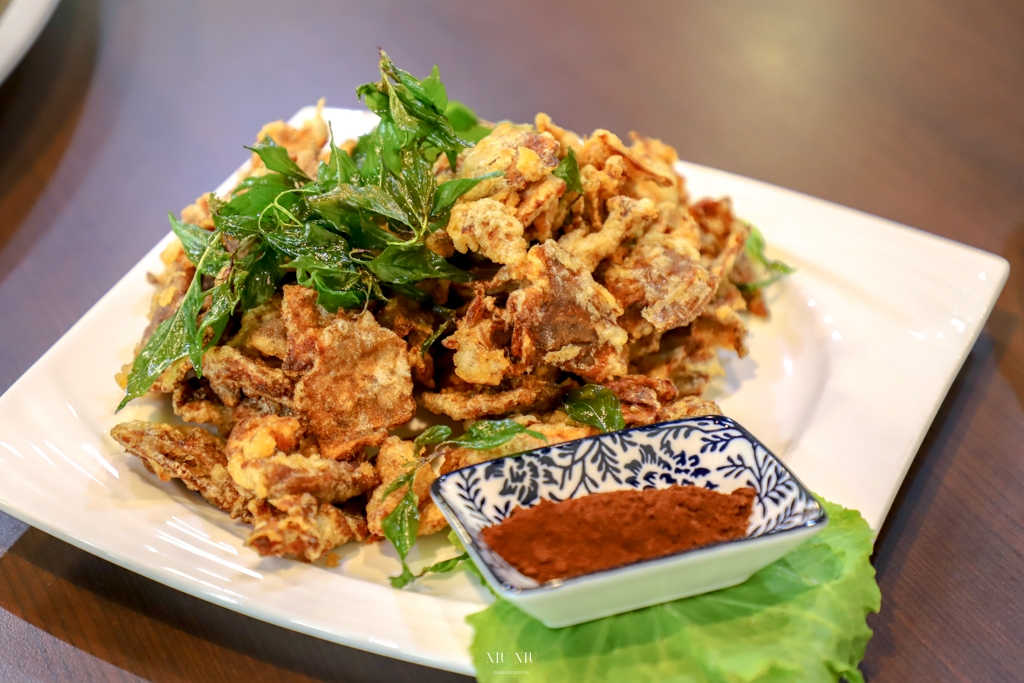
(713, 452)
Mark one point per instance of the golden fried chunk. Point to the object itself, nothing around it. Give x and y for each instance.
(302, 319)
(264, 459)
(191, 454)
(520, 152)
(194, 401)
(488, 227)
(232, 375)
(359, 387)
(671, 289)
(480, 342)
(602, 145)
(561, 317)
(303, 143)
(627, 218)
(642, 397)
(688, 406)
(566, 138)
(263, 331)
(301, 527)
(394, 460)
(534, 392)
(540, 200)
(411, 322)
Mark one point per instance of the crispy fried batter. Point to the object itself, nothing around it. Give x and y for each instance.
(411, 322)
(561, 317)
(488, 227)
(298, 526)
(359, 387)
(642, 397)
(688, 406)
(627, 218)
(480, 342)
(263, 331)
(529, 393)
(232, 375)
(191, 454)
(520, 152)
(264, 459)
(671, 289)
(303, 319)
(194, 401)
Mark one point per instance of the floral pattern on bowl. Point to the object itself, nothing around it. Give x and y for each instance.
(712, 452)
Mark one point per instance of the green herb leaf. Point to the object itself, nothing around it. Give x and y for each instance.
(400, 527)
(429, 437)
(195, 241)
(436, 334)
(799, 619)
(405, 263)
(369, 198)
(339, 169)
(595, 406)
(569, 171)
(448, 192)
(256, 194)
(465, 122)
(483, 435)
(276, 158)
(777, 270)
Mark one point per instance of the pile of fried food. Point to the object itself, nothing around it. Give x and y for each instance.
(626, 284)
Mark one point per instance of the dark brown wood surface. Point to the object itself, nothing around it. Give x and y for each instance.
(907, 109)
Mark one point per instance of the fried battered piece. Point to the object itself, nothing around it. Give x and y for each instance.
(522, 154)
(602, 145)
(194, 401)
(566, 138)
(232, 375)
(480, 341)
(488, 227)
(359, 387)
(627, 218)
(264, 459)
(263, 331)
(540, 199)
(191, 454)
(669, 288)
(642, 397)
(561, 317)
(534, 392)
(688, 406)
(409, 321)
(302, 319)
(299, 526)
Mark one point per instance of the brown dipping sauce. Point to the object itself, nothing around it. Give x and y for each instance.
(606, 530)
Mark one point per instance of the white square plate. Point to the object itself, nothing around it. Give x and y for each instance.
(842, 383)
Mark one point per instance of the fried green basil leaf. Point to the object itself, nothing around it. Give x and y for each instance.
(406, 263)
(355, 198)
(448, 192)
(569, 170)
(195, 241)
(339, 169)
(802, 618)
(429, 437)
(465, 122)
(776, 270)
(256, 194)
(276, 158)
(400, 527)
(486, 434)
(595, 406)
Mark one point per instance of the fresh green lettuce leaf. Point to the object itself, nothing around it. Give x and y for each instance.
(799, 619)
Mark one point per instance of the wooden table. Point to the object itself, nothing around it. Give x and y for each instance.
(909, 110)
